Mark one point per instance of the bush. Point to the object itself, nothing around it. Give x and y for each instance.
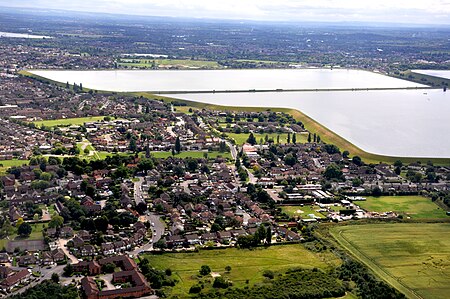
(205, 270)
(269, 274)
(220, 283)
(195, 289)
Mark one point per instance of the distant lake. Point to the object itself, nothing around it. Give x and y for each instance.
(22, 35)
(209, 80)
(434, 73)
(405, 123)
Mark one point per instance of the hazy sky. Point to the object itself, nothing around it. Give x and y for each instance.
(396, 11)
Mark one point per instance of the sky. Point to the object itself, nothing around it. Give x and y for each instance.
(377, 11)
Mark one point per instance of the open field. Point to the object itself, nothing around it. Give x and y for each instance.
(412, 206)
(186, 63)
(67, 121)
(242, 138)
(191, 154)
(413, 257)
(6, 164)
(245, 264)
(311, 125)
(299, 211)
(36, 234)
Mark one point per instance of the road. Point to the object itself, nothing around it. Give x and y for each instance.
(157, 228)
(62, 244)
(232, 149)
(138, 195)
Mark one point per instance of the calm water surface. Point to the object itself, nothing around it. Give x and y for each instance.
(208, 80)
(434, 73)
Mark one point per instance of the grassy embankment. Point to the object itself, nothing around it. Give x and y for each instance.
(311, 125)
(412, 257)
(245, 264)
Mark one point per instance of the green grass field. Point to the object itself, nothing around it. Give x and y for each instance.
(413, 257)
(67, 121)
(187, 63)
(298, 211)
(36, 234)
(242, 138)
(245, 264)
(412, 206)
(6, 164)
(191, 154)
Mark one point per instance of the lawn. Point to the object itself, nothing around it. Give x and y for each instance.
(245, 264)
(303, 212)
(36, 234)
(191, 154)
(410, 206)
(413, 257)
(242, 138)
(6, 164)
(67, 121)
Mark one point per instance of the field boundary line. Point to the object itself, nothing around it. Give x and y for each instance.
(374, 266)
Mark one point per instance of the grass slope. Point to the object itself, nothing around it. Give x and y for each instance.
(413, 257)
(245, 264)
(412, 206)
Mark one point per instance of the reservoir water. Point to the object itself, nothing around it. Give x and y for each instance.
(209, 80)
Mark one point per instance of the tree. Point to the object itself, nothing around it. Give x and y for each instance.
(205, 270)
(251, 139)
(290, 160)
(398, 163)
(357, 160)
(24, 230)
(68, 270)
(228, 268)
(345, 154)
(55, 277)
(269, 235)
(278, 139)
(294, 138)
(289, 138)
(220, 282)
(377, 191)
(333, 172)
(132, 146)
(109, 268)
(56, 222)
(178, 145)
(309, 137)
(161, 244)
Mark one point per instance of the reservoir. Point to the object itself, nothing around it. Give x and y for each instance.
(222, 80)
